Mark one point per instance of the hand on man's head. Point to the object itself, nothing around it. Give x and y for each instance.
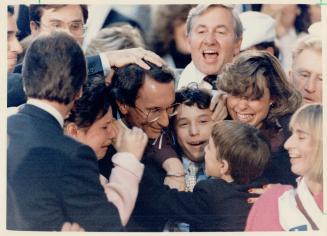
(119, 58)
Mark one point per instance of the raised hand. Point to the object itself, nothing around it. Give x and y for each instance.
(218, 106)
(67, 226)
(119, 58)
(131, 140)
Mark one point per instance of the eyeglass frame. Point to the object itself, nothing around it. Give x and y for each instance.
(175, 105)
(84, 27)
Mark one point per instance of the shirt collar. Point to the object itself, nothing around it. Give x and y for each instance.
(48, 108)
(187, 162)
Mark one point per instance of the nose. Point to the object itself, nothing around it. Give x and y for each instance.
(111, 132)
(288, 143)
(14, 46)
(163, 119)
(242, 104)
(194, 130)
(210, 38)
(310, 84)
(17, 47)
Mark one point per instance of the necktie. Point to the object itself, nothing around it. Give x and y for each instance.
(211, 79)
(190, 178)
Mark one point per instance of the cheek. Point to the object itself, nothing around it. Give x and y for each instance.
(135, 119)
(231, 104)
(207, 131)
(263, 112)
(299, 83)
(194, 42)
(181, 136)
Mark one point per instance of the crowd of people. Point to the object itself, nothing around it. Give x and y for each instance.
(211, 121)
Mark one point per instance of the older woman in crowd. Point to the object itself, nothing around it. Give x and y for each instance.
(91, 122)
(282, 207)
(260, 95)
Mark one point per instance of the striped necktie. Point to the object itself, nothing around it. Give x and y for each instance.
(190, 178)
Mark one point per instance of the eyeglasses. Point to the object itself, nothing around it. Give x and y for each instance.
(76, 28)
(154, 114)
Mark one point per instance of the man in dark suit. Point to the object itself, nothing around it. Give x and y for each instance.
(51, 178)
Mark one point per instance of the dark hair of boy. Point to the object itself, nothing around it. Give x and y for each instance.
(189, 96)
(244, 147)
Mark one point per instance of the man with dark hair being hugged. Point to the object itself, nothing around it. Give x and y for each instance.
(51, 178)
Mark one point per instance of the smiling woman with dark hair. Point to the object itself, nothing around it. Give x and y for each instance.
(260, 95)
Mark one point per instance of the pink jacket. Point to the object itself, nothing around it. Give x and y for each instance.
(123, 185)
(264, 213)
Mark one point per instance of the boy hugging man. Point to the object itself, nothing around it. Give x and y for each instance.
(234, 159)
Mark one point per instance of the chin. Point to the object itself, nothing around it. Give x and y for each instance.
(153, 135)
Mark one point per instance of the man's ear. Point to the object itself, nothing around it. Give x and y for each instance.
(123, 108)
(237, 46)
(71, 129)
(35, 28)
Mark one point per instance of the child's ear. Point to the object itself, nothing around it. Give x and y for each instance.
(71, 129)
(224, 167)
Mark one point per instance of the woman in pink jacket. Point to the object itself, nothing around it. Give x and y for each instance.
(91, 122)
(282, 207)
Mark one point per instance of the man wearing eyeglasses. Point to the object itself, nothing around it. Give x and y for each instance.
(70, 18)
(145, 99)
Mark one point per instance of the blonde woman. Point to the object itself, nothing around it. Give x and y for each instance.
(282, 207)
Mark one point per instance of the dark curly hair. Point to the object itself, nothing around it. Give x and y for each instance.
(93, 105)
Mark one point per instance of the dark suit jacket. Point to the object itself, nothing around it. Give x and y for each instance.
(94, 66)
(214, 205)
(15, 92)
(52, 178)
(116, 17)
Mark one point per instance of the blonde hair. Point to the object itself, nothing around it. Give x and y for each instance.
(115, 37)
(310, 118)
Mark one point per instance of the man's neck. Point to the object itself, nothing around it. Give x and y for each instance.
(63, 109)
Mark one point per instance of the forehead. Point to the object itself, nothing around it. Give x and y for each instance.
(66, 13)
(155, 94)
(214, 17)
(302, 58)
(191, 112)
(300, 127)
(105, 118)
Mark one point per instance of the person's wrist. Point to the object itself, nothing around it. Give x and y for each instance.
(170, 174)
(106, 64)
